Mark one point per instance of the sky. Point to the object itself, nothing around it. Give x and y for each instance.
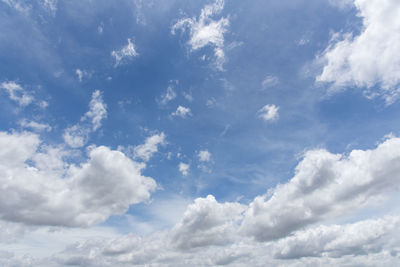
(199, 133)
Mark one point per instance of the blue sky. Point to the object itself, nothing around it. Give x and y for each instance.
(169, 133)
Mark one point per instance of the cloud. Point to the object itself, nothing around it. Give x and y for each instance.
(35, 125)
(146, 150)
(370, 59)
(207, 222)
(82, 74)
(78, 134)
(50, 5)
(169, 95)
(100, 29)
(17, 93)
(182, 112)
(40, 187)
(188, 96)
(20, 6)
(184, 168)
(11, 232)
(269, 112)
(125, 53)
(325, 185)
(360, 238)
(206, 31)
(97, 111)
(206, 236)
(269, 81)
(286, 226)
(204, 156)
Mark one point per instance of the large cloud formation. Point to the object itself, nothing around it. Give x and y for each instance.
(40, 187)
(326, 185)
(369, 60)
(289, 225)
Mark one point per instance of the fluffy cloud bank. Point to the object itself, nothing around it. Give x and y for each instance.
(40, 187)
(289, 225)
(369, 60)
(325, 186)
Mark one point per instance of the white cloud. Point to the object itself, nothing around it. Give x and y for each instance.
(18, 5)
(43, 104)
(11, 232)
(206, 31)
(204, 156)
(182, 112)
(286, 227)
(188, 96)
(269, 81)
(168, 96)
(207, 222)
(211, 102)
(41, 192)
(100, 29)
(126, 52)
(269, 112)
(50, 5)
(77, 135)
(369, 59)
(184, 168)
(325, 185)
(206, 236)
(362, 237)
(35, 125)
(17, 93)
(82, 74)
(97, 111)
(146, 150)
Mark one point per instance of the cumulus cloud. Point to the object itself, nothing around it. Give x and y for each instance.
(207, 222)
(206, 236)
(269, 113)
(204, 156)
(146, 150)
(17, 93)
(184, 168)
(369, 60)
(325, 185)
(181, 112)
(288, 225)
(77, 135)
(39, 187)
(360, 238)
(206, 31)
(125, 53)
